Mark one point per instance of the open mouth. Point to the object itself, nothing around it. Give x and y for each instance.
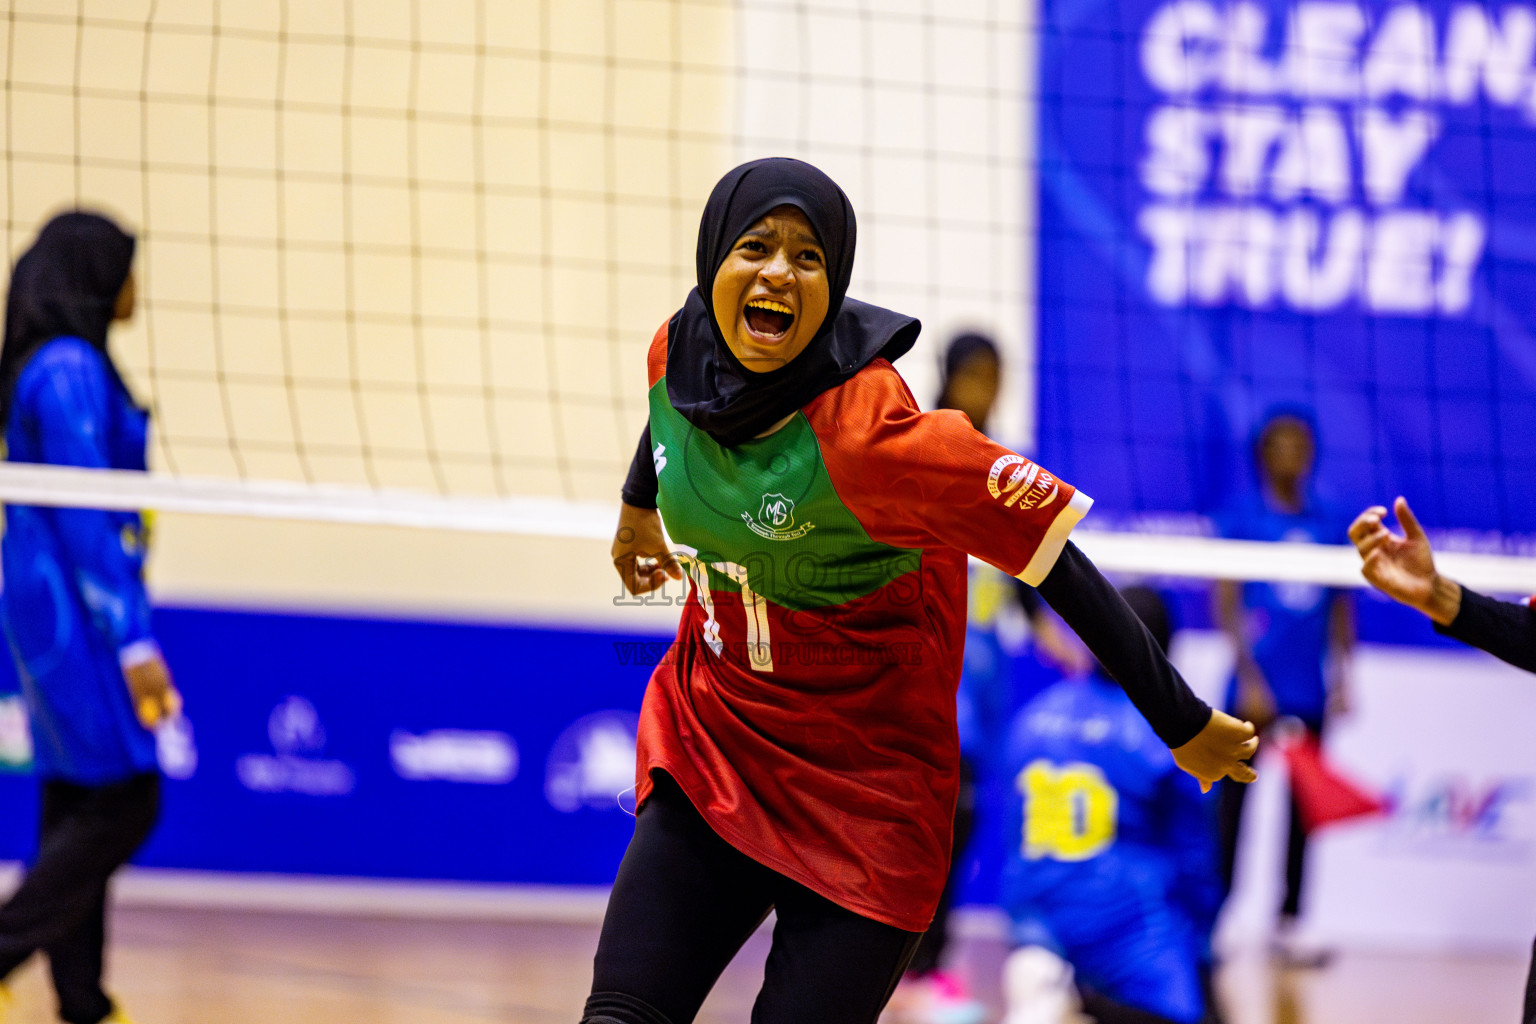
(769, 318)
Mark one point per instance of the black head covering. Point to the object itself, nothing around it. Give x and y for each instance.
(705, 380)
(1277, 414)
(66, 284)
(960, 352)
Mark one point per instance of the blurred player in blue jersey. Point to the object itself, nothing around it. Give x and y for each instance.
(1113, 857)
(928, 994)
(1292, 641)
(74, 609)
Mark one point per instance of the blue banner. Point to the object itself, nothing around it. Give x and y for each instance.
(393, 749)
(1325, 204)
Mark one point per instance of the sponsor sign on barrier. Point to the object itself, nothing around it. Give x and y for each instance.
(384, 749)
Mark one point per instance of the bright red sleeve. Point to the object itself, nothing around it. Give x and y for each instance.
(656, 356)
(916, 479)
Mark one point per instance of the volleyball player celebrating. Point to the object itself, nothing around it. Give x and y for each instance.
(797, 749)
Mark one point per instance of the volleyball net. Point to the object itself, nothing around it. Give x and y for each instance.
(399, 262)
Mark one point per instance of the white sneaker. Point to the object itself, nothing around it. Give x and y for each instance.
(1295, 949)
(1037, 988)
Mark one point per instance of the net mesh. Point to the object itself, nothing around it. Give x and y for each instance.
(408, 254)
(424, 245)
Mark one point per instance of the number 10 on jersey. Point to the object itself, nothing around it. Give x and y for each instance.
(1070, 811)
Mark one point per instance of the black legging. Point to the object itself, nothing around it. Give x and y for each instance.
(1528, 1016)
(87, 833)
(685, 901)
(1232, 796)
(931, 950)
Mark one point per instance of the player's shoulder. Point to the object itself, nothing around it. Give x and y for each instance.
(66, 360)
(1330, 516)
(878, 380)
(1244, 516)
(67, 352)
(656, 355)
(876, 392)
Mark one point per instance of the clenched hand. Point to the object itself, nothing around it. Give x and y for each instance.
(1219, 751)
(640, 552)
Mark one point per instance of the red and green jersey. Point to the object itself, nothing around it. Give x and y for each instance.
(808, 707)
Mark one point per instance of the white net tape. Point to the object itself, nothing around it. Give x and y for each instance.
(1128, 553)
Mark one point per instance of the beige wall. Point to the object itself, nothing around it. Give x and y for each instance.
(424, 244)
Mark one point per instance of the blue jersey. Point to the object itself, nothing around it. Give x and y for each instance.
(1288, 622)
(74, 592)
(1112, 848)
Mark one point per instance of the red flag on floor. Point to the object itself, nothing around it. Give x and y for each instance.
(1323, 794)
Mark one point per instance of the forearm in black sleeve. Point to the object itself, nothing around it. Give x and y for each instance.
(1029, 598)
(1505, 630)
(641, 486)
(1094, 609)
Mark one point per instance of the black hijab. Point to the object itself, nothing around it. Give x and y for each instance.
(66, 284)
(705, 380)
(961, 351)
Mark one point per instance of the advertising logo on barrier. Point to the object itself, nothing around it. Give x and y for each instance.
(296, 764)
(1325, 204)
(1453, 815)
(454, 755)
(592, 762)
(15, 734)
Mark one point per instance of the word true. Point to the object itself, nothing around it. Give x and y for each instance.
(1404, 262)
(794, 652)
(1280, 166)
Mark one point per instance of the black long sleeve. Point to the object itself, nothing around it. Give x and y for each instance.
(1505, 630)
(1094, 609)
(641, 486)
(1029, 598)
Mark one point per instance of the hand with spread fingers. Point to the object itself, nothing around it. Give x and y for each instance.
(1403, 567)
(640, 552)
(1220, 751)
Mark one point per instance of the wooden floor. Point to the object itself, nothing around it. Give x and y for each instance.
(177, 966)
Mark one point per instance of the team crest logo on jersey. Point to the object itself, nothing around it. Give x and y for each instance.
(775, 519)
(1027, 486)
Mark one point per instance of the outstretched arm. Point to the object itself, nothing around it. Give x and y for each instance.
(1403, 568)
(1208, 744)
(1054, 645)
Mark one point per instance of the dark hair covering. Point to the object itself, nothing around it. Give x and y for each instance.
(1282, 413)
(962, 350)
(705, 380)
(65, 285)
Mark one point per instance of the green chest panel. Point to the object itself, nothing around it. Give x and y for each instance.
(766, 510)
